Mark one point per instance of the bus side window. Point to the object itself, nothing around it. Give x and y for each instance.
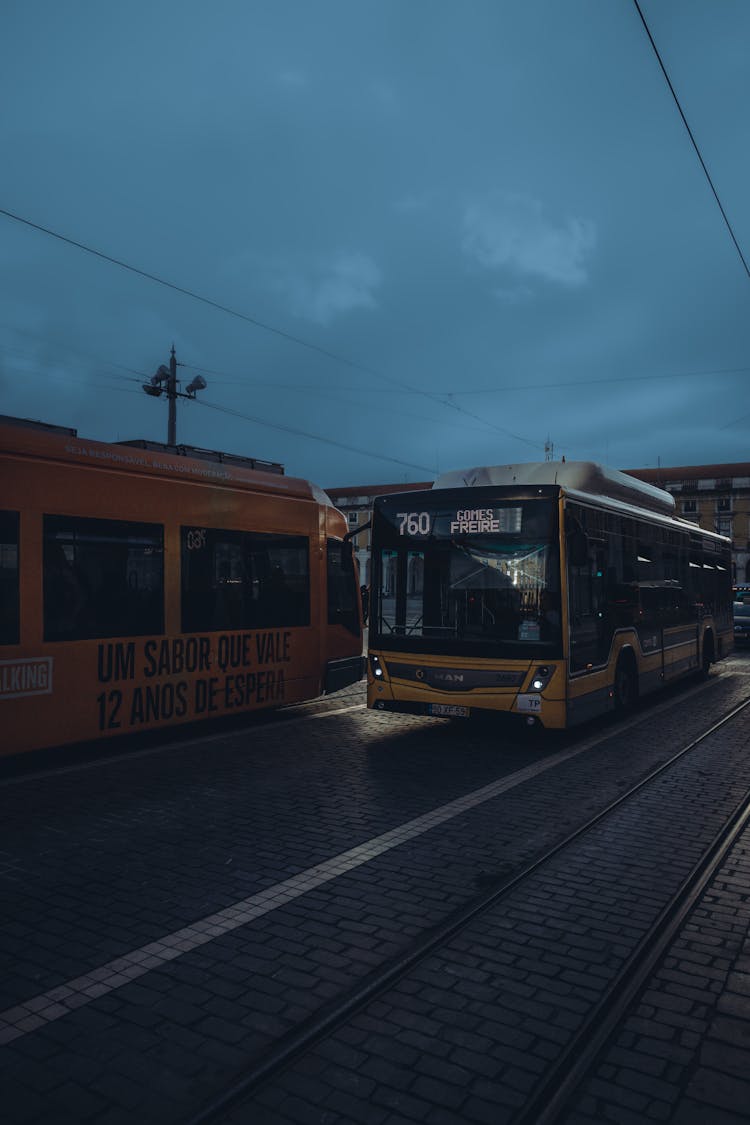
(102, 578)
(9, 593)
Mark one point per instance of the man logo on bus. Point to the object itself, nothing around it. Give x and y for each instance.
(419, 673)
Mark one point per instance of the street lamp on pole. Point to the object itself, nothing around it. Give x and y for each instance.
(164, 381)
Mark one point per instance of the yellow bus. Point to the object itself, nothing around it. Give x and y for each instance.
(142, 586)
(553, 591)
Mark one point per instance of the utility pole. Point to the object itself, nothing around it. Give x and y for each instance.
(172, 399)
(165, 382)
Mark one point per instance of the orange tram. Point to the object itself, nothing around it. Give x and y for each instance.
(143, 585)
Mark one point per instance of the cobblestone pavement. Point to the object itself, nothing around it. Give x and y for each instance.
(683, 1053)
(169, 914)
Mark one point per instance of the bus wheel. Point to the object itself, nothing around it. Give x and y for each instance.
(707, 655)
(626, 684)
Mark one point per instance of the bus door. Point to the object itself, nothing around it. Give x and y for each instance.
(590, 624)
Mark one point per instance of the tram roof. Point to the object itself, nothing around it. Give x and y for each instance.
(581, 477)
(20, 438)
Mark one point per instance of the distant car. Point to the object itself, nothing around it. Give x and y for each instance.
(741, 623)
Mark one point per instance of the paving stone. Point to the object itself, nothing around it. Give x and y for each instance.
(733, 1004)
(387, 1073)
(437, 1092)
(722, 1057)
(733, 1031)
(719, 1089)
(486, 1113)
(697, 1113)
(414, 1109)
(501, 1093)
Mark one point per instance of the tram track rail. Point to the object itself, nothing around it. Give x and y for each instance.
(566, 1073)
(509, 810)
(580, 1056)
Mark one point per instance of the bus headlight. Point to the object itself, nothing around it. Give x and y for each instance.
(375, 667)
(541, 677)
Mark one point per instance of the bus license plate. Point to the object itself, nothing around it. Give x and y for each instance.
(529, 703)
(449, 710)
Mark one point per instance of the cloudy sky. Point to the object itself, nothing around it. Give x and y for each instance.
(442, 233)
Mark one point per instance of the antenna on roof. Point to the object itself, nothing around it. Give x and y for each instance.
(549, 450)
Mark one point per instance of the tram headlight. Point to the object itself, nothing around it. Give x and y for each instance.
(376, 668)
(541, 677)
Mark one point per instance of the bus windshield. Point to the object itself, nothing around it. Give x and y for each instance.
(482, 580)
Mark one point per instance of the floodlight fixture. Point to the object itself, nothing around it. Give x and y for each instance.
(197, 384)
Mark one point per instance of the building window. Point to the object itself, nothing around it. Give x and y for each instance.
(353, 519)
(102, 578)
(724, 504)
(724, 525)
(689, 506)
(690, 486)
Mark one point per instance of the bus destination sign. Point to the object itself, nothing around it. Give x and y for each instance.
(461, 521)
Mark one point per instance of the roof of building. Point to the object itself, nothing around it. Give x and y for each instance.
(376, 489)
(692, 472)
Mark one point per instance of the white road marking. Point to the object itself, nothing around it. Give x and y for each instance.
(57, 1002)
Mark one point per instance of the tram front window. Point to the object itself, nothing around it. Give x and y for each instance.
(455, 585)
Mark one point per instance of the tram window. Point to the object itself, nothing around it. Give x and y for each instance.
(9, 597)
(243, 579)
(102, 578)
(342, 586)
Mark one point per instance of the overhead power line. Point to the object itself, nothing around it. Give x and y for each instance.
(317, 388)
(181, 289)
(692, 138)
(53, 374)
(312, 437)
(353, 364)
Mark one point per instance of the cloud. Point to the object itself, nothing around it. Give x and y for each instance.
(292, 79)
(384, 95)
(347, 282)
(407, 204)
(511, 233)
(513, 295)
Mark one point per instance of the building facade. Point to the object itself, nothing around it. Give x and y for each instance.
(716, 497)
(356, 504)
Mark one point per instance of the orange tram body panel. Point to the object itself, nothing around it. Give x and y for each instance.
(140, 588)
